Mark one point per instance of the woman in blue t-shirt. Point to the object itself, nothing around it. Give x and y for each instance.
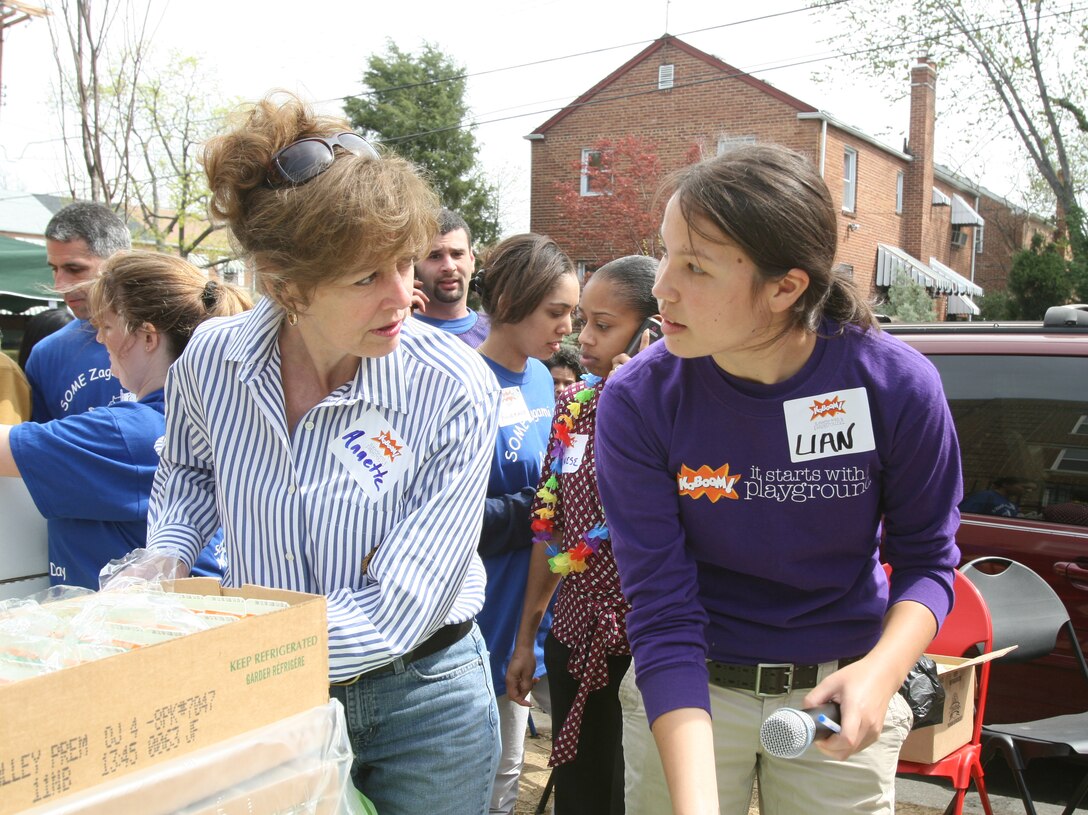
(529, 290)
(90, 474)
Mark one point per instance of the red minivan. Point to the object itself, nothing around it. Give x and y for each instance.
(1019, 396)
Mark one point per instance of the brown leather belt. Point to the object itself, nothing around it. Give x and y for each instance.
(444, 637)
(767, 678)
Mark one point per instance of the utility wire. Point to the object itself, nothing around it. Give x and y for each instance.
(716, 76)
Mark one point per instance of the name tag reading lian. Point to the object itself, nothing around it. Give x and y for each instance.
(373, 452)
(835, 423)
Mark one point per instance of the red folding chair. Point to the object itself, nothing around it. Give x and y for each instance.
(966, 628)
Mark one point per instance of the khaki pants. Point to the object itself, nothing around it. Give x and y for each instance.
(864, 784)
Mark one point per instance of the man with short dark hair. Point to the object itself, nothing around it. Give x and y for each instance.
(69, 371)
(443, 277)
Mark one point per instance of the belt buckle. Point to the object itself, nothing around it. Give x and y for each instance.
(787, 666)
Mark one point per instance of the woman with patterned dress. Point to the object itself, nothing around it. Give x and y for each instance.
(586, 654)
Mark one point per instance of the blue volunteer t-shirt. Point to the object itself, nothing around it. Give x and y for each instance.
(69, 373)
(90, 476)
(471, 329)
(525, 415)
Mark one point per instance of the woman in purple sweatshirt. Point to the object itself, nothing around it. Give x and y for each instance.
(755, 468)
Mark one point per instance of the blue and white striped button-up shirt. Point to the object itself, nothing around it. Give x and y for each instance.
(393, 464)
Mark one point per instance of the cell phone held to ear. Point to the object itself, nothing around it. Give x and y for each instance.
(651, 323)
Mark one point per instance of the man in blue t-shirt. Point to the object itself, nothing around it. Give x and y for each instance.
(1002, 498)
(69, 371)
(443, 276)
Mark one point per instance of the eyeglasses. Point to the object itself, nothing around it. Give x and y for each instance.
(308, 158)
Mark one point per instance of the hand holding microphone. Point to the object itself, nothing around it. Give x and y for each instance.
(788, 732)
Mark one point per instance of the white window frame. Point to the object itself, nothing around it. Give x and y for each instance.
(849, 179)
(666, 77)
(726, 142)
(979, 232)
(587, 153)
(1071, 454)
(900, 179)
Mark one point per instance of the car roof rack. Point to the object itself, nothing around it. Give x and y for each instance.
(1073, 314)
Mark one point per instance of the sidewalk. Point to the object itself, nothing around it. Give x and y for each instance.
(916, 796)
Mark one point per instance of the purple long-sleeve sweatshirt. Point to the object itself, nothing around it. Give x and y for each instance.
(746, 518)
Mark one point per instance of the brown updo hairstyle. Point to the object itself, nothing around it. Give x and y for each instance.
(162, 290)
(772, 203)
(518, 274)
(358, 213)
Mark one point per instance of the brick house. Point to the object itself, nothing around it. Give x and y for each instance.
(898, 211)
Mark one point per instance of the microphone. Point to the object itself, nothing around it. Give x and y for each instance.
(788, 732)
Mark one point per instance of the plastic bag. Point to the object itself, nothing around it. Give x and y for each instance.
(924, 693)
(139, 567)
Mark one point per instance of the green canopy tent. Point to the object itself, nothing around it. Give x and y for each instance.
(25, 278)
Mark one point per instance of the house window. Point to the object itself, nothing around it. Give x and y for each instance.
(899, 193)
(849, 179)
(959, 237)
(726, 143)
(978, 239)
(1071, 460)
(665, 76)
(1081, 427)
(845, 270)
(594, 179)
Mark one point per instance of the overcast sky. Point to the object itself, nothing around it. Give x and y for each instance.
(319, 50)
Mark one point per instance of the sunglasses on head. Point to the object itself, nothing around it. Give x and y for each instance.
(307, 158)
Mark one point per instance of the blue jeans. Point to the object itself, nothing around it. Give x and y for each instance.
(426, 737)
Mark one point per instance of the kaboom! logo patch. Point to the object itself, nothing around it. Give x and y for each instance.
(705, 482)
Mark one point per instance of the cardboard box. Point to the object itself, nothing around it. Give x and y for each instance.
(299, 764)
(79, 727)
(928, 744)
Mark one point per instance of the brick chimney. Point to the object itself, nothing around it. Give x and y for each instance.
(918, 182)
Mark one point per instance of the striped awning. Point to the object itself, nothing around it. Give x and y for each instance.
(961, 284)
(891, 261)
(939, 199)
(963, 214)
(962, 304)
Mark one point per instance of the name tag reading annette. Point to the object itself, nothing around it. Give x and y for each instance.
(373, 452)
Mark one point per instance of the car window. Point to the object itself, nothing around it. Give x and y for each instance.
(1022, 423)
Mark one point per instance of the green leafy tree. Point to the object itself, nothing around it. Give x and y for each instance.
(1021, 63)
(1039, 279)
(416, 104)
(908, 302)
(175, 113)
(997, 305)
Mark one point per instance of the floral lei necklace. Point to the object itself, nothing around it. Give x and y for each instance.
(574, 559)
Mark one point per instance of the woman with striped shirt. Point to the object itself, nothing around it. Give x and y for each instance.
(345, 448)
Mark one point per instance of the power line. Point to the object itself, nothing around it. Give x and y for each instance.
(711, 77)
(715, 76)
(593, 52)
